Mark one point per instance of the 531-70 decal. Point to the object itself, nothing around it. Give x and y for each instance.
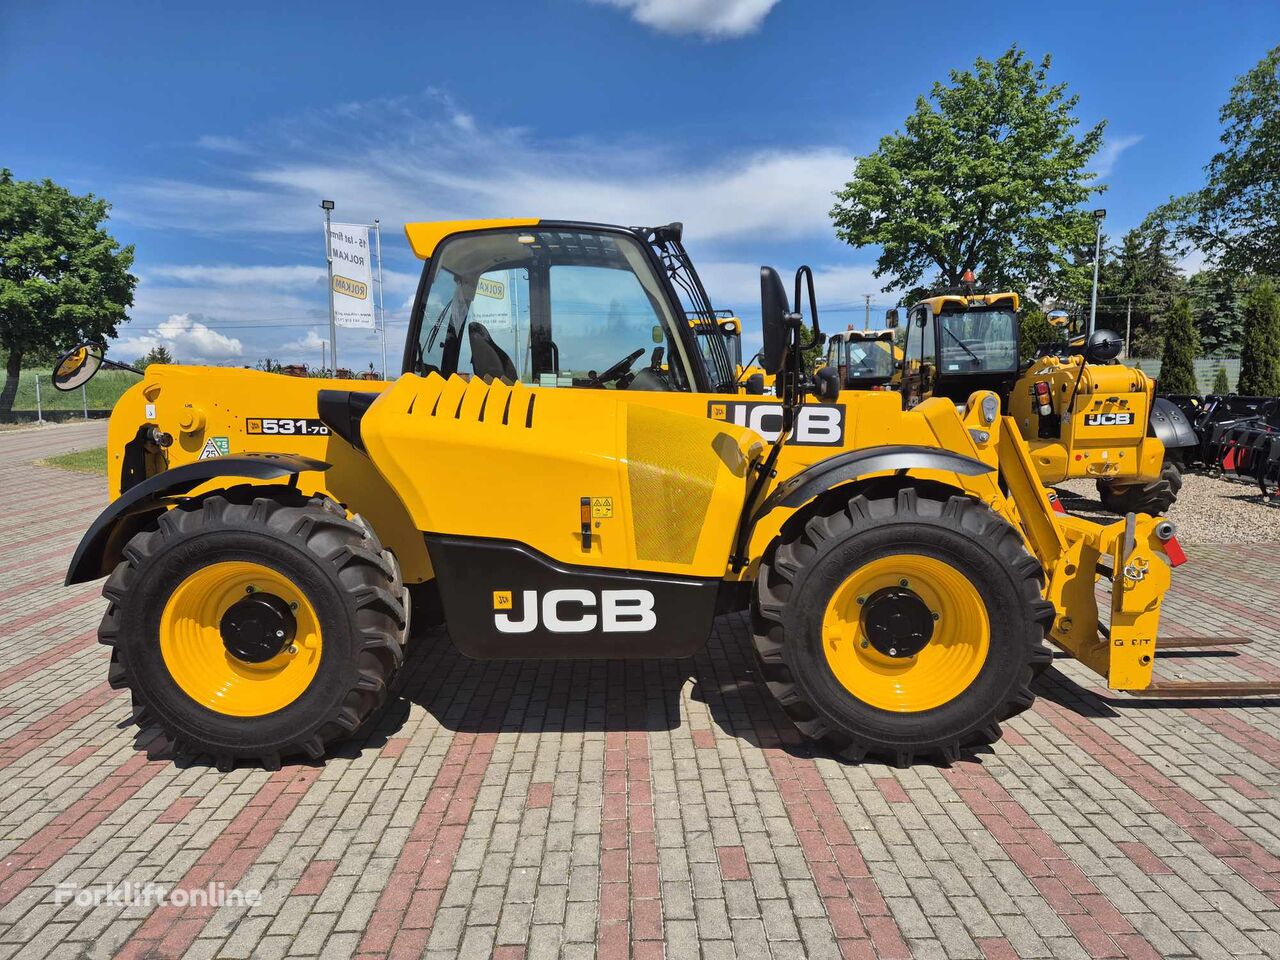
(817, 425)
(286, 426)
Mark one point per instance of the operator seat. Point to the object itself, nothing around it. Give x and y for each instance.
(488, 360)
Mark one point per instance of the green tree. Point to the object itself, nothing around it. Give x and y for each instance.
(157, 354)
(1215, 306)
(1034, 332)
(1181, 345)
(1221, 385)
(63, 278)
(988, 176)
(1137, 287)
(1260, 352)
(1235, 217)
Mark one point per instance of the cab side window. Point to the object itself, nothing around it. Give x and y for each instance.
(550, 308)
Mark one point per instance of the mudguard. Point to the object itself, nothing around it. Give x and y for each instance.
(1170, 425)
(99, 549)
(825, 474)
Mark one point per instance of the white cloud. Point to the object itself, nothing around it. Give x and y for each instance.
(309, 344)
(186, 338)
(229, 275)
(431, 161)
(714, 19)
(221, 144)
(1110, 153)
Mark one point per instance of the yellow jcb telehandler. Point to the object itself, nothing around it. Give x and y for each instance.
(1082, 415)
(902, 568)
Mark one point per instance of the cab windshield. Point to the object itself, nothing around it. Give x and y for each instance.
(732, 344)
(552, 308)
(859, 357)
(977, 341)
(870, 358)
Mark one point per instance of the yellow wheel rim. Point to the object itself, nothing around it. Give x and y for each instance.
(193, 651)
(947, 664)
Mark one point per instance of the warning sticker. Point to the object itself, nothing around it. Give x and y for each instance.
(601, 508)
(215, 447)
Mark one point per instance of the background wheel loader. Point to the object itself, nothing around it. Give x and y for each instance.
(1082, 415)
(570, 497)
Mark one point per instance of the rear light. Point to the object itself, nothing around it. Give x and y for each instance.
(1044, 401)
(1173, 550)
(1056, 504)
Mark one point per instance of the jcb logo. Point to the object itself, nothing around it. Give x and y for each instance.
(576, 611)
(1108, 419)
(816, 426)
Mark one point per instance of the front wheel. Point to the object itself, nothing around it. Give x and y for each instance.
(1153, 498)
(903, 627)
(254, 624)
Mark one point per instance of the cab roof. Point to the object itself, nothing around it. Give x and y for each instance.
(854, 334)
(425, 237)
(954, 301)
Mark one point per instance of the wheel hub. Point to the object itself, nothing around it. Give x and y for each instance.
(897, 623)
(257, 628)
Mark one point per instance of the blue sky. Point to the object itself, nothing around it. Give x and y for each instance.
(215, 130)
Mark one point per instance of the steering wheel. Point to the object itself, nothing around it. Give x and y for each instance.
(617, 371)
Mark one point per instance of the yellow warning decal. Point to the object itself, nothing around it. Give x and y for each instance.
(601, 508)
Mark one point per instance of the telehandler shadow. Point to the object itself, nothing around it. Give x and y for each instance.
(1058, 688)
(719, 685)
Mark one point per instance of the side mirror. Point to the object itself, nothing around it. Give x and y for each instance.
(774, 311)
(891, 319)
(1103, 346)
(77, 366)
(826, 383)
(755, 385)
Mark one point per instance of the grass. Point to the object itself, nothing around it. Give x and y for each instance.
(81, 461)
(102, 391)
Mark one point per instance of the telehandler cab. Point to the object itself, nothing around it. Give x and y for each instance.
(901, 567)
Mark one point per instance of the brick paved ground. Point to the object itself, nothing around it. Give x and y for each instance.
(665, 809)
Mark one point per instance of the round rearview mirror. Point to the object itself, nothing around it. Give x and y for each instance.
(77, 366)
(826, 383)
(1103, 346)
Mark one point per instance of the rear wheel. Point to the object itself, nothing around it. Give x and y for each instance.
(255, 624)
(1154, 498)
(901, 627)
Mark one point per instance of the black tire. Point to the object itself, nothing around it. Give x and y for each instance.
(339, 566)
(1154, 498)
(814, 555)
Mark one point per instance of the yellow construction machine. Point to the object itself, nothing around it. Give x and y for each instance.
(1082, 414)
(863, 359)
(902, 568)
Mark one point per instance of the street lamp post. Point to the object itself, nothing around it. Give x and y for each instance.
(327, 207)
(1098, 216)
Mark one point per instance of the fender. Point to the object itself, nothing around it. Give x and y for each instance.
(1170, 426)
(825, 474)
(100, 548)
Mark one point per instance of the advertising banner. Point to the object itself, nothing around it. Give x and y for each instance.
(352, 276)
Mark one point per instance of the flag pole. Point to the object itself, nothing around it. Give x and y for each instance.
(327, 206)
(382, 306)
